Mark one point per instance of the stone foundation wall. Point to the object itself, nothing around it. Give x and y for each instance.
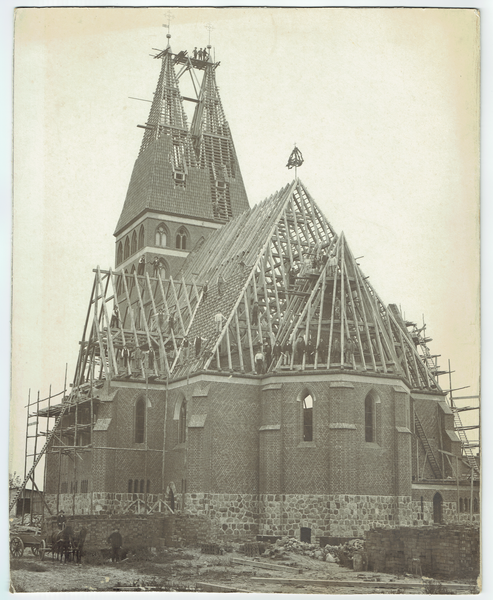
(335, 515)
(444, 551)
(232, 516)
(244, 516)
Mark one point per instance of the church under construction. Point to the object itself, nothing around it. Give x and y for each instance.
(237, 364)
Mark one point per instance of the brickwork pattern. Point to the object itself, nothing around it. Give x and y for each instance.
(449, 552)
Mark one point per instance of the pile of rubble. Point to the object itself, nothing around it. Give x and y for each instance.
(346, 552)
(286, 545)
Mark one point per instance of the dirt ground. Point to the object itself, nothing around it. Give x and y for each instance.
(187, 569)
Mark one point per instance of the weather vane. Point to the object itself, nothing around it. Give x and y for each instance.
(295, 160)
(210, 27)
(167, 25)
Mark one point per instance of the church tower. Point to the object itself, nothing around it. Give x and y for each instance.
(186, 182)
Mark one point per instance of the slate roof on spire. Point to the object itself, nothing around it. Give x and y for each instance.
(205, 156)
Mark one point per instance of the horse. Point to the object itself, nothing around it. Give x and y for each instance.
(78, 545)
(61, 543)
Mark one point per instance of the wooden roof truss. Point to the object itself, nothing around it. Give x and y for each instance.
(269, 278)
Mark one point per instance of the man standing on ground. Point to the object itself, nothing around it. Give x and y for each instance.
(115, 541)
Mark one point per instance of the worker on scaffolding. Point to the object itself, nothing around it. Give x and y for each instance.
(155, 266)
(115, 318)
(171, 323)
(336, 350)
(259, 362)
(300, 348)
(141, 267)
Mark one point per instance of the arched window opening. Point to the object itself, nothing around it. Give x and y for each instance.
(163, 269)
(141, 237)
(148, 490)
(140, 417)
(307, 418)
(476, 505)
(126, 252)
(161, 236)
(171, 500)
(422, 505)
(134, 243)
(119, 254)
(369, 419)
(461, 505)
(181, 239)
(141, 486)
(182, 423)
(437, 508)
(136, 486)
(130, 485)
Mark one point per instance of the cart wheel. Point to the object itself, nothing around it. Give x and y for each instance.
(42, 550)
(16, 547)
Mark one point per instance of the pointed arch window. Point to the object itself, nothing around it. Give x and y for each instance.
(369, 419)
(141, 237)
(140, 421)
(181, 239)
(133, 248)
(182, 423)
(161, 236)
(126, 251)
(119, 254)
(307, 408)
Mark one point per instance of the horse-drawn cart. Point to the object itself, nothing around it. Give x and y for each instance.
(21, 540)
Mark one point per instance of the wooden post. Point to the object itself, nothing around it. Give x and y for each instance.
(472, 493)
(457, 479)
(238, 335)
(59, 473)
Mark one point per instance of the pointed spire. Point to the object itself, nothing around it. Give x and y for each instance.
(167, 114)
(214, 148)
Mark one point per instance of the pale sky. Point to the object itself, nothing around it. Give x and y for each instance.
(383, 104)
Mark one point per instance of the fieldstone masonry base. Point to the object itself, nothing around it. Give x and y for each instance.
(244, 516)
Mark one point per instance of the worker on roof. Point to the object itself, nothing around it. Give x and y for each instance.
(220, 284)
(336, 350)
(218, 320)
(255, 313)
(300, 348)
